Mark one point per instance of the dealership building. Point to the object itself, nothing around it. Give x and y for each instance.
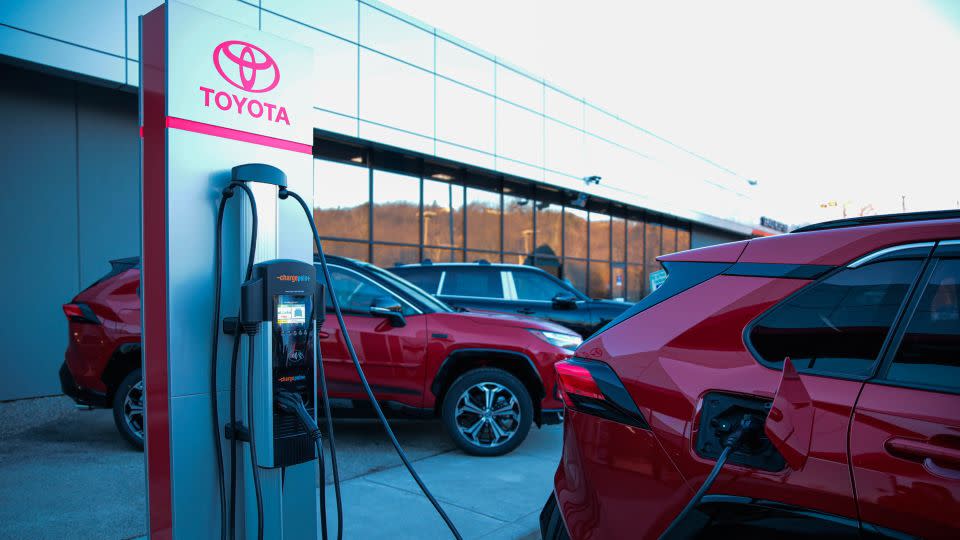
(426, 148)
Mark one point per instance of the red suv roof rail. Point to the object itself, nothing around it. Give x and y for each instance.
(878, 220)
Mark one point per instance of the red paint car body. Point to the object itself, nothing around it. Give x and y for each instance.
(861, 446)
(410, 366)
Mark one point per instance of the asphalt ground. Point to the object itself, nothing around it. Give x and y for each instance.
(66, 473)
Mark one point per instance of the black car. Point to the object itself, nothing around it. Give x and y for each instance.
(512, 288)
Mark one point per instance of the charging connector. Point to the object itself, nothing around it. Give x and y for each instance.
(292, 403)
(742, 435)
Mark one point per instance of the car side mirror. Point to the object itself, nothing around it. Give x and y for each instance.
(389, 308)
(564, 301)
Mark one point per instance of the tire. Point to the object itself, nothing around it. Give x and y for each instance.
(494, 434)
(127, 402)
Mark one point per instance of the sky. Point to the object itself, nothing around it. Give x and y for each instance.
(855, 102)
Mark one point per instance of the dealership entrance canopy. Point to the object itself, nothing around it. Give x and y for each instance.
(427, 147)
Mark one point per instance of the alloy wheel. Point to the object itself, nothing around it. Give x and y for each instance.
(487, 414)
(133, 409)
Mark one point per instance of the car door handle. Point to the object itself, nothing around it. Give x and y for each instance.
(934, 456)
(526, 311)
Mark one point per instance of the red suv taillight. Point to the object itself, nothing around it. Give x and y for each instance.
(592, 387)
(80, 313)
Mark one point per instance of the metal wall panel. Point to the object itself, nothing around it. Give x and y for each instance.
(38, 229)
(108, 170)
(70, 161)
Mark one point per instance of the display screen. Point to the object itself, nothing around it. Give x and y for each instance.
(291, 312)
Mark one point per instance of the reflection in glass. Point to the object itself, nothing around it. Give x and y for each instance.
(352, 250)
(617, 248)
(480, 256)
(618, 278)
(546, 255)
(575, 234)
(396, 200)
(635, 282)
(575, 272)
(635, 241)
(683, 238)
(442, 214)
(669, 240)
(342, 203)
(483, 220)
(599, 279)
(386, 256)
(652, 252)
(442, 255)
(518, 225)
(599, 237)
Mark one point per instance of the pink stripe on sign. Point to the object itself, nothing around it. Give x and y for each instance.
(237, 135)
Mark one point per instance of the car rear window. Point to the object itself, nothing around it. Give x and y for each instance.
(680, 277)
(427, 279)
(837, 325)
(476, 282)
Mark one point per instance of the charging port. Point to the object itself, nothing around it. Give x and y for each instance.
(721, 415)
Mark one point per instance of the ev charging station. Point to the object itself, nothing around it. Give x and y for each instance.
(232, 441)
(215, 95)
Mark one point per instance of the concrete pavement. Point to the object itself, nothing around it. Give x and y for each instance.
(489, 498)
(68, 474)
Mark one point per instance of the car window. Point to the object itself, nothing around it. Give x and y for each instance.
(407, 289)
(427, 279)
(472, 281)
(839, 324)
(929, 353)
(356, 293)
(535, 286)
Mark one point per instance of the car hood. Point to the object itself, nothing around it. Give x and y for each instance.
(493, 318)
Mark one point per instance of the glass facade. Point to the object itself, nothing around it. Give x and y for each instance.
(389, 218)
(391, 79)
(386, 77)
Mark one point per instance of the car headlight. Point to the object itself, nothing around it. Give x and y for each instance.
(559, 339)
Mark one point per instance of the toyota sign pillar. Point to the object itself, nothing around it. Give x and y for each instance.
(214, 94)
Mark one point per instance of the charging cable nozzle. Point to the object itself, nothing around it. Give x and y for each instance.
(292, 403)
(748, 428)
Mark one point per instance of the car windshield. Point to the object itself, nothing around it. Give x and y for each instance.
(408, 288)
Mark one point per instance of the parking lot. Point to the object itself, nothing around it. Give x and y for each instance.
(70, 475)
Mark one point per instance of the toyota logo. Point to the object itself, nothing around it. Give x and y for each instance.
(246, 66)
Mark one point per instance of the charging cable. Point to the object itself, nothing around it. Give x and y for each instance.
(283, 194)
(226, 194)
(750, 425)
(292, 403)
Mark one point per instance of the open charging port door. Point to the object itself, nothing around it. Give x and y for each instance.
(721, 416)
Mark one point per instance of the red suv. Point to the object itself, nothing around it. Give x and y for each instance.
(488, 376)
(820, 369)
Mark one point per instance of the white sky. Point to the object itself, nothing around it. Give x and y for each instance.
(845, 100)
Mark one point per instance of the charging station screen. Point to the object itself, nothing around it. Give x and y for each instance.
(291, 312)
